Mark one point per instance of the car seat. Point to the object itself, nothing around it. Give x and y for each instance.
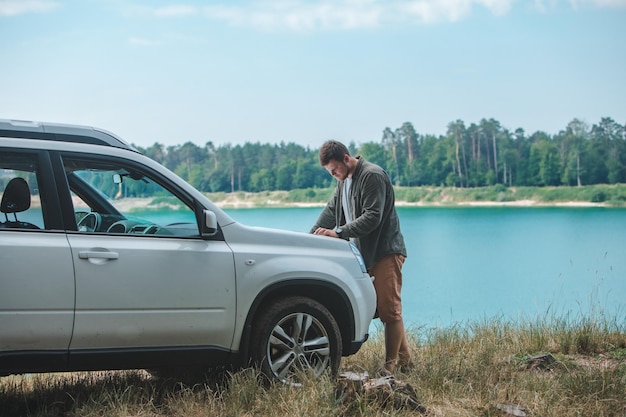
(15, 199)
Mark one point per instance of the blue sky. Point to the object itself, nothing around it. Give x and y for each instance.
(307, 71)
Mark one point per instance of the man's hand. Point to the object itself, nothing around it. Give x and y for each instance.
(325, 232)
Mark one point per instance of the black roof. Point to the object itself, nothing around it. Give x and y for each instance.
(61, 132)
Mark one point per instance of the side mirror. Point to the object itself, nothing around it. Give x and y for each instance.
(209, 223)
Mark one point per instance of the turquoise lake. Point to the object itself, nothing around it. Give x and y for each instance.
(510, 263)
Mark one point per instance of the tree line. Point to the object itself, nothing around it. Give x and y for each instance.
(477, 155)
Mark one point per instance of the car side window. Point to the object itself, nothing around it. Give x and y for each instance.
(113, 197)
(20, 204)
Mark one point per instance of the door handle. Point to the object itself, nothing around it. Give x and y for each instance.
(86, 254)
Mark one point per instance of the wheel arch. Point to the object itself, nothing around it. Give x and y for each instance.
(326, 293)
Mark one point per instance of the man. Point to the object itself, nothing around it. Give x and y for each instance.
(363, 210)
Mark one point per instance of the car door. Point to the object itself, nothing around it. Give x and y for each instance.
(36, 269)
(144, 277)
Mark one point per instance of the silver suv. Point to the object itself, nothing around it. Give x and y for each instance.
(110, 261)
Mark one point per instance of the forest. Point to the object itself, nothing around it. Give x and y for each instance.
(481, 154)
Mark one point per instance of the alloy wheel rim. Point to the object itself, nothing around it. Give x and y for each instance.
(298, 343)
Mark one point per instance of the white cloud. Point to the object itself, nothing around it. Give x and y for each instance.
(18, 7)
(349, 14)
(434, 11)
(302, 15)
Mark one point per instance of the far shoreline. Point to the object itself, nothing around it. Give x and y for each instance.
(242, 204)
(593, 196)
(133, 203)
(598, 196)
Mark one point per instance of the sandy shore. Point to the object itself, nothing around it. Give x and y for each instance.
(234, 202)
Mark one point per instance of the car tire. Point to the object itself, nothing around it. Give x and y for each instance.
(293, 337)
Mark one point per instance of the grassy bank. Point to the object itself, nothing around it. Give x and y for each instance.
(603, 195)
(463, 370)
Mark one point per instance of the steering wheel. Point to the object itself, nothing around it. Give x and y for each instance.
(90, 223)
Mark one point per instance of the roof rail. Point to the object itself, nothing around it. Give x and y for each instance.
(62, 133)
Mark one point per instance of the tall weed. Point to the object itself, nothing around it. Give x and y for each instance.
(466, 369)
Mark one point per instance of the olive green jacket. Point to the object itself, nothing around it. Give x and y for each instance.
(376, 226)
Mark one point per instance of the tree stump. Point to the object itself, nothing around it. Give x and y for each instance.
(386, 391)
(543, 362)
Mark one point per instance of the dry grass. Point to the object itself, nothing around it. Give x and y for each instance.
(463, 370)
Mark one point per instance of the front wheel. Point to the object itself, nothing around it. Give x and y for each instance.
(294, 336)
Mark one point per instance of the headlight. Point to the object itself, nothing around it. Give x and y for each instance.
(358, 256)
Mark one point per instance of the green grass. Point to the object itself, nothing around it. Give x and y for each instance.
(461, 370)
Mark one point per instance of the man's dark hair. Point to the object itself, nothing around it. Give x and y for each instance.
(332, 150)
